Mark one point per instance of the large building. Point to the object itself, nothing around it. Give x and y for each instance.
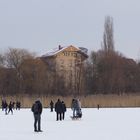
(68, 62)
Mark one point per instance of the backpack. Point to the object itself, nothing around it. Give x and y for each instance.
(35, 108)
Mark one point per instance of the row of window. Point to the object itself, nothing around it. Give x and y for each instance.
(70, 54)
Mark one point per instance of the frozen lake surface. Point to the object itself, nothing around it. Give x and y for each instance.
(103, 124)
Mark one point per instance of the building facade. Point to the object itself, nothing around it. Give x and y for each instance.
(68, 63)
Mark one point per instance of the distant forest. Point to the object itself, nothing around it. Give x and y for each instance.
(106, 71)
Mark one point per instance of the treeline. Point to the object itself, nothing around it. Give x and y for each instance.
(23, 73)
(110, 72)
(105, 72)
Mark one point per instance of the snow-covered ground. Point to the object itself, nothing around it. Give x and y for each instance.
(103, 124)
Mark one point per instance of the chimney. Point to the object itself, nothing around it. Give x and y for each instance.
(59, 47)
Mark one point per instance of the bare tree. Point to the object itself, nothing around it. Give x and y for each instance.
(1, 60)
(108, 37)
(34, 76)
(14, 59)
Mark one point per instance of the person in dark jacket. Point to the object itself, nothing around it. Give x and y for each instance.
(98, 106)
(10, 107)
(63, 110)
(37, 111)
(58, 110)
(5, 106)
(2, 105)
(18, 105)
(13, 105)
(51, 105)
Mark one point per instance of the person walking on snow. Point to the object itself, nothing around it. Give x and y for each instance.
(10, 107)
(63, 110)
(37, 111)
(58, 110)
(51, 105)
(74, 106)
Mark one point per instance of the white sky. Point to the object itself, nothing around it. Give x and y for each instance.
(40, 25)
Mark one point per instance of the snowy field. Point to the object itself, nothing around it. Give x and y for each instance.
(103, 124)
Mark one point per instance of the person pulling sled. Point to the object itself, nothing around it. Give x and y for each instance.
(76, 107)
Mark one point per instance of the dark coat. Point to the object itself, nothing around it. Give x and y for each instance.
(10, 105)
(39, 106)
(63, 107)
(58, 107)
(51, 104)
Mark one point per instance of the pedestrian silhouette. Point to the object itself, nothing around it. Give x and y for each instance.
(76, 107)
(18, 105)
(51, 105)
(63, 110)
(37, 111)
(58, 110)
(10, 108)
(98, 106)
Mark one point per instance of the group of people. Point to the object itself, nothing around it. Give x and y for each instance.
(60, 109)
(9, 107)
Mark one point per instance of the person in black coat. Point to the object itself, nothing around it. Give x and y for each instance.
(5, 106)
(13, 105)
(98, 106)
(63, 110)
(58, 110)
(2, 105)
(10, 108)
(51, 105)
(18, 105)
(37, 110)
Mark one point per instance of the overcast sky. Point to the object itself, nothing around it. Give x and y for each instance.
(40, 25)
